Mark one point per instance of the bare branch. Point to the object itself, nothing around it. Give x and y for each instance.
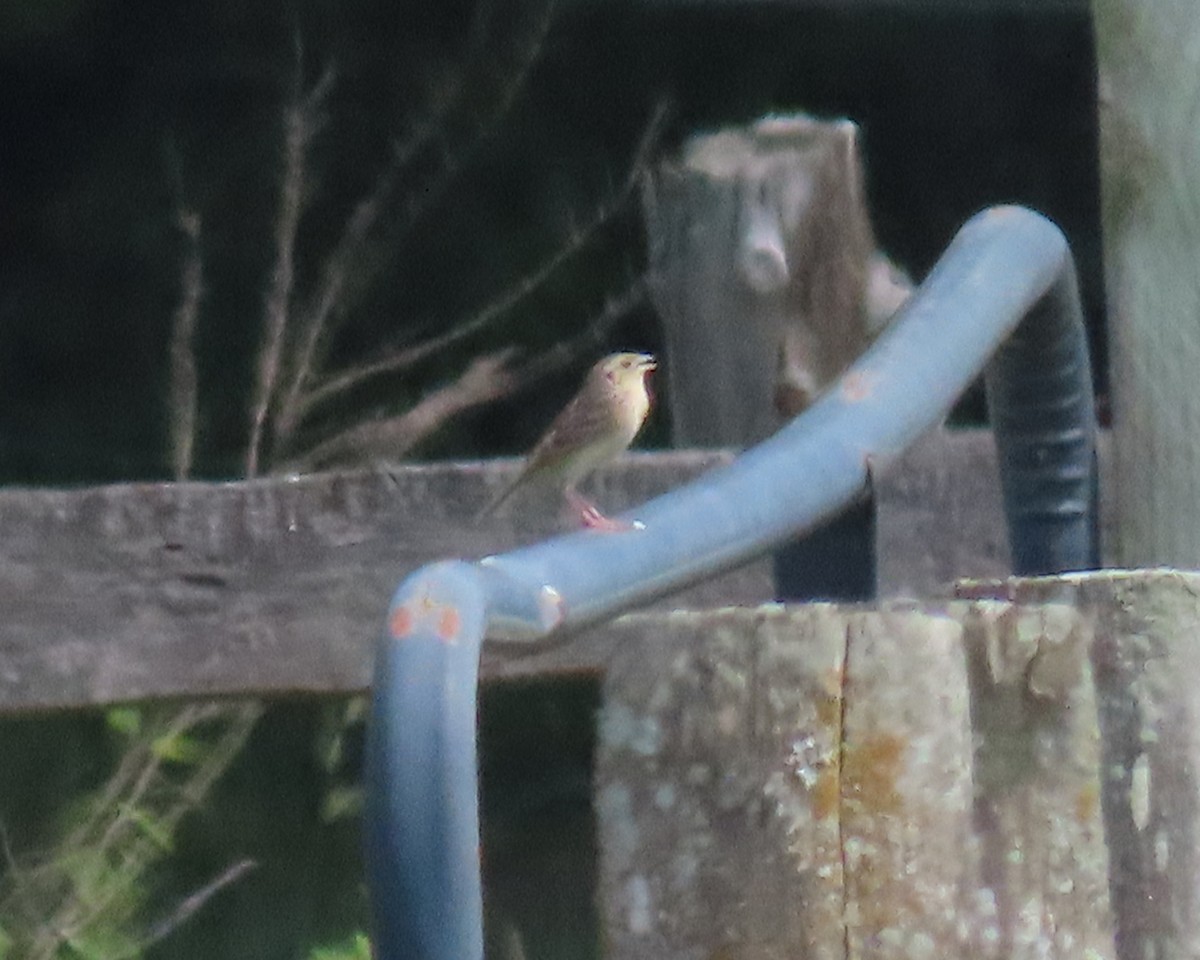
(188, 907)
(336, 270)
(486, 379)
(419, 197)
(302, 119)
(182, 403)
(503, 87)
(403, 358)
(133, 854)
(566, 352)
(63, 903)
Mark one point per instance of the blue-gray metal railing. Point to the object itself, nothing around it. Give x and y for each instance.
(1004, 291)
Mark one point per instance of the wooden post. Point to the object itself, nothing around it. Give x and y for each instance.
(1142, 628)
(1151, 217)
(1009, 775)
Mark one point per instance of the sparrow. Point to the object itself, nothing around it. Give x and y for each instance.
(598, 424)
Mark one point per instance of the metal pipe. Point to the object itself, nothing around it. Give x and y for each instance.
(1007, 269)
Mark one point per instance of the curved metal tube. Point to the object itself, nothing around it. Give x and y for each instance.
(1007, 269)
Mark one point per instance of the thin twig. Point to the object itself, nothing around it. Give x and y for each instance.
(420, 197)
(333, 279)
(563, 354)
(302, 120)
(182, 401)
(486, 379)
(406, 357)
(187, 908)
(180, 723)
(76, 908)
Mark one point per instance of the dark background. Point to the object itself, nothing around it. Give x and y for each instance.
(110, 108)
(108, 104)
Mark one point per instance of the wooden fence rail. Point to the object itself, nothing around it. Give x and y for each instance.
(278, 586)
(1006, 772)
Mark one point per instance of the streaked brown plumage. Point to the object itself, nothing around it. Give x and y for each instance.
(598, 424)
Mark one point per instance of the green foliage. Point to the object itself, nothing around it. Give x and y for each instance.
(357, 947)
(83, 896)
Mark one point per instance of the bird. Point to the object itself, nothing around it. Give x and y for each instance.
(599, 423)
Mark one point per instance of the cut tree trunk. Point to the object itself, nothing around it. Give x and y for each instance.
(761, 261)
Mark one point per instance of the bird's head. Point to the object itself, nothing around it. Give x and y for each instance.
(624, 370)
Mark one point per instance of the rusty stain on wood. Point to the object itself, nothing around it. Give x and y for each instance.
(870, 771)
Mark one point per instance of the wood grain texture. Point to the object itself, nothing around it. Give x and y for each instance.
(274, 586)
(1006, 776)
(1145, 660)
(1150, 169)
(279, 586)
(716, 785)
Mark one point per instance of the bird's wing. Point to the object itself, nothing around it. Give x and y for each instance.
(582, 423)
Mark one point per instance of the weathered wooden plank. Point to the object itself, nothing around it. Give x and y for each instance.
(905, 798)
(953, 751)
(717, 786)
(1144, 656)
(1150, 171)
(278, 586)
(275, 586)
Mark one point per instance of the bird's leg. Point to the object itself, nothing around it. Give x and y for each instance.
(591, 517)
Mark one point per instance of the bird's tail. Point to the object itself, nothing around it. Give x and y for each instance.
(497, 501)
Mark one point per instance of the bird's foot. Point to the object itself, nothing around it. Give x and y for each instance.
(591, 517)
(594, 520)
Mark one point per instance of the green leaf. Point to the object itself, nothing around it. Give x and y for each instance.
(124, 720)
(155, 831)
(179, 749)
(101, 944)
(341, 803)
(357, 947)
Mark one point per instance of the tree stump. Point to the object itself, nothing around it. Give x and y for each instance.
(762, 267)
(763, 270)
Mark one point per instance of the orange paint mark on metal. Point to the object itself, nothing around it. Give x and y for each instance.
(400, 623)
(870, 770)
(448, 624)
(859, 386)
